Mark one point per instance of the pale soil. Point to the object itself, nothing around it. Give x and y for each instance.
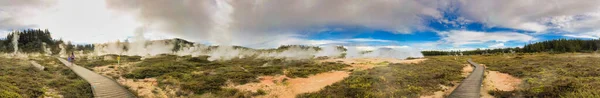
(146, 88)
(495, 80)
(276, 87)
(467, 70)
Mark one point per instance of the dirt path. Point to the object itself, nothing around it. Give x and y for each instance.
(284, 87)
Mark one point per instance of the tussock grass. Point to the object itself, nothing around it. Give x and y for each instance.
(19, 79)
(396, 80)
(198, 76)
(547, 75)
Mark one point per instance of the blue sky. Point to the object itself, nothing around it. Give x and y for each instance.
(419, 24)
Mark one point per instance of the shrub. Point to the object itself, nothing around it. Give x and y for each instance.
(395, 80)
(547, 75)
(200, 76)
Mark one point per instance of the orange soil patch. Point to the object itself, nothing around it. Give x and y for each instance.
(276, 87)
(467, 70)
(495, 80)
(368, 63)
(144, 87)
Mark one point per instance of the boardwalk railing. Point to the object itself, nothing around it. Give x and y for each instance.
(471, 86)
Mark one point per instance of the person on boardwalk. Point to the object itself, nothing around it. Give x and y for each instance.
(71, 58)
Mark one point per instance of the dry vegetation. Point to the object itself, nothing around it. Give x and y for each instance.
(185, 76)
(547, 75)
(396, 80)
(18, 79)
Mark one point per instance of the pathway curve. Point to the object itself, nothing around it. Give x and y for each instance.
(471, 86)
(102, 87)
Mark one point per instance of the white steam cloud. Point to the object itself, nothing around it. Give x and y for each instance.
(15, 42)
(157, 47)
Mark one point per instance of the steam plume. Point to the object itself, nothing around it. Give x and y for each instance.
(15, 42)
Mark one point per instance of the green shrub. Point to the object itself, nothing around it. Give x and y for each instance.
(18, 77)
(548, 75)
(395, 80)
(200, 76)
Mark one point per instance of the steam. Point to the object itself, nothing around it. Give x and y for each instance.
(329, 51)
(156, 47)
(46, 50)
(383, 52)
(15, 42)
(138, 46)
(220, 32)
(63, 51)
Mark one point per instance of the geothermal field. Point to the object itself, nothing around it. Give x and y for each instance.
(299, 49)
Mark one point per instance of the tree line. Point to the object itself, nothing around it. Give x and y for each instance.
(38, 41)
(550, 46)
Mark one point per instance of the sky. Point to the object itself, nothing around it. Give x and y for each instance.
(368, 24)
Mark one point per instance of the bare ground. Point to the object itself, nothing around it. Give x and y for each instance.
(284, 87)
(495, 80)
(368, 63)
(279, 86)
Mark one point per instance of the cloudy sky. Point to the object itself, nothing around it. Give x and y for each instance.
(421, 24)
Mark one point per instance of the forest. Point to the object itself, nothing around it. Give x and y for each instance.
(550, 46)
(38, 41)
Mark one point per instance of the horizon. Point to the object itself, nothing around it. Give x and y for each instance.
(427, 25)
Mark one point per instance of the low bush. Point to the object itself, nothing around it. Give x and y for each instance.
(200, 76)
(20, 79)
(548, 75)
(395, 80)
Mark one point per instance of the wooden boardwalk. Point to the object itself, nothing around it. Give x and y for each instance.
(102, 87)
(471, 86)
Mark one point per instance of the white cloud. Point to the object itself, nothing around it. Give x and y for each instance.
(13, 13)
(458, 38)
(524, 14)
(295, 40)
(499, 45)
(80, 21)
(371, 48)
(368, 40)
(248, 22)
(590, 35)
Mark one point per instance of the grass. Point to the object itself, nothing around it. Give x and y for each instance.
(547, 75)
(18, 79)
(198, 76)
(396, 80)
